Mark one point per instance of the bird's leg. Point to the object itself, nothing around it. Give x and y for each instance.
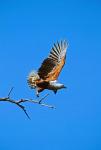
(37, 93)
(36, 90)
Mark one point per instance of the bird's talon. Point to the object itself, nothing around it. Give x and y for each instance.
(37, 95)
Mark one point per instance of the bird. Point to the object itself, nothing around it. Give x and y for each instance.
(47, 75)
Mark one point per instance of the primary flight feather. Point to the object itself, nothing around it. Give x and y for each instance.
(47, 75)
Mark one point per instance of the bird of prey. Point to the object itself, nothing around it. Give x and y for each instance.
(47, 75)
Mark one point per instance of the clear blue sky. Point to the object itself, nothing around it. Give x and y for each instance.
(28, 29)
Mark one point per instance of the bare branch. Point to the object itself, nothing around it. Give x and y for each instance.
(18, 102)
(40, 102)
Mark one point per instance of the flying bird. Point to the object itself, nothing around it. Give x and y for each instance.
(47, 75)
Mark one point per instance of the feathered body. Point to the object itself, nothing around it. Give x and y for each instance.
(47, 75)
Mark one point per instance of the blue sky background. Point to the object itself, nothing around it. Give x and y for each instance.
(28, 30)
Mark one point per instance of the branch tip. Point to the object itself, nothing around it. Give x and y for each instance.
(10, 92)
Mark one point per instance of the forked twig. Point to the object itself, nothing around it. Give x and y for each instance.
(18, 102)
(8, 99)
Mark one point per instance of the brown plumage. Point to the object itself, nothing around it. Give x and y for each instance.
(50, 69)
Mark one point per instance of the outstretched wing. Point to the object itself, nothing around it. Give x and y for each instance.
(51, 66)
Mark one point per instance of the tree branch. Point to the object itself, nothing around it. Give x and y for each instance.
(18, 102)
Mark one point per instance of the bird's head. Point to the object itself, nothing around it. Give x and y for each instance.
(32, 78)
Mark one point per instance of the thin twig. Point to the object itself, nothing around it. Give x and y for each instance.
(40, 101)
(10, 91)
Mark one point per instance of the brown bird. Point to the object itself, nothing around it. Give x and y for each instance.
(47, 75)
